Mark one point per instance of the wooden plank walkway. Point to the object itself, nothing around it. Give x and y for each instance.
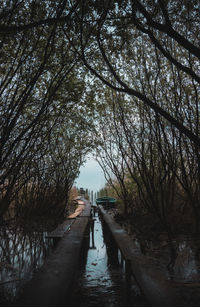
(77, 212)
(61, 229)
(51, 285)
(87, 210)
(158, 291)
(81, 211)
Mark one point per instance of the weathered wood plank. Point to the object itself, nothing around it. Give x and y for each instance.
(77, 212)
(61, 229)
(51, 285)
(81, 210)
(87, 210)
(158, 290)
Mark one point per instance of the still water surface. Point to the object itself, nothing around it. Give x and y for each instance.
(21, 254)
(102, 280)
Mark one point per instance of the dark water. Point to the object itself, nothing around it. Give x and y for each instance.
(21, 254)
(102, 275)
(186, 262)
(102, 279)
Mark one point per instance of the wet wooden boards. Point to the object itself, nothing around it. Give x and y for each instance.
(60, 230)
(158, 290)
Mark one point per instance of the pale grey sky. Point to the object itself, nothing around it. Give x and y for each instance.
(91, 176)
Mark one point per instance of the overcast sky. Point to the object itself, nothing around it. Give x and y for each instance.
(91, 176)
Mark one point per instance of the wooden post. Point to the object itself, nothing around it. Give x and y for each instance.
(121, 259)
(128, 277)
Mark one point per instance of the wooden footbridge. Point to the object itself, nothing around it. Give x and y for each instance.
(51, 286)
(82, 210)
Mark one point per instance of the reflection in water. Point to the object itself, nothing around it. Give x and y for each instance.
(92, 234)
(20, 255)
(186, 266)
(187, 262)
(102, 279)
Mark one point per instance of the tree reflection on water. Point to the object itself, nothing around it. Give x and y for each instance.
(21, 254)
(102, 280)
